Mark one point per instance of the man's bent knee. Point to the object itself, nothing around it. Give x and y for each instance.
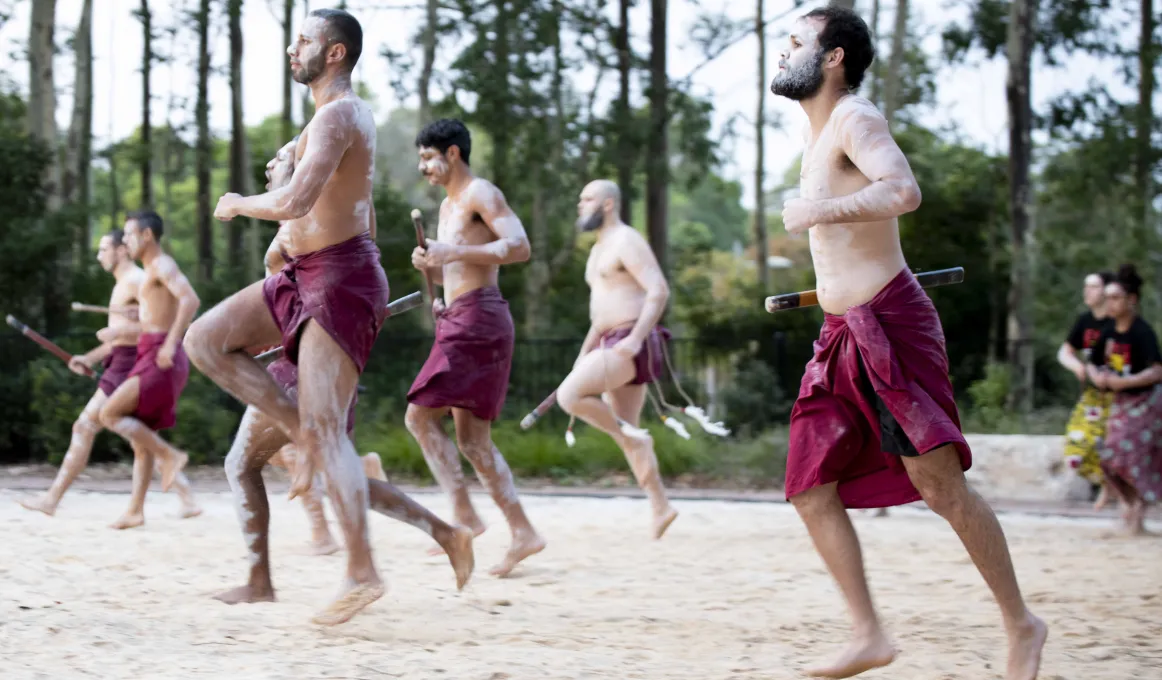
(567, 399)
(197, 343)
(416, 419)
(816, 499)
(87, 425)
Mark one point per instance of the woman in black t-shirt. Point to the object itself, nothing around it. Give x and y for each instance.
(1127, 361)
(1087, 424)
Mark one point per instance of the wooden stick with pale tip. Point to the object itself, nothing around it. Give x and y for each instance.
(809, 298)
(409, 301)
(422, 241)
(44, 342)
(125, 310)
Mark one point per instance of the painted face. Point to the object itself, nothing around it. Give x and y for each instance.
(590, 212)
(107, 254)
(135, 239)
(308, 53)
(1094, 291)
(280, 168)
(1118, 303)
(800, 65)
(434, 166)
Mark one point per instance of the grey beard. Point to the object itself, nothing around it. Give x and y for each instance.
(591, 222)
(802, 82)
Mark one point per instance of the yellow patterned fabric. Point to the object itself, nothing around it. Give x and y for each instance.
(1086, 431)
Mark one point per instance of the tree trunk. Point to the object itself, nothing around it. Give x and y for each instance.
(501, 105)
(287, 37)
(239, 169)
(850, 4)
(429, 45)
(202, 114)
(114, 189)
(41, 92)
(892, 79)
(78, 158)
(760, 208)
(1145, 150)
(876, 70)
(626, 143)
(658, 166)
(146, 125)
(1020, 322)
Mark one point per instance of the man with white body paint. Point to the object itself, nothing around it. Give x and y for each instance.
(325, 307)
(147, 401)
(466, 374)
(875, 423)
(622, 352)
(117, 355)
(258, 435)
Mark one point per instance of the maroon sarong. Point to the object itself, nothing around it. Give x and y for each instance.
(342, 287)
(116, 367)
(157, 402)
(876, 389)
(471, 358)
(286, 375)
(647, 362)
(1132, 449)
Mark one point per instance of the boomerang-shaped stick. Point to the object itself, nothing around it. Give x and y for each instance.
(422, 241)
(45, 343)
(809, 298)
(405, 303)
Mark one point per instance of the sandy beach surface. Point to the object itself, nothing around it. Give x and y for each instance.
(734, 590)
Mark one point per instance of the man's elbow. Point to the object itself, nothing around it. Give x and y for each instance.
(192, 302)
(519, 250)
(298, 204)
(660, 292)
(910, 197)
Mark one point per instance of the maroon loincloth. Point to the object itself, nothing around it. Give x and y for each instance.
(116, 367)
(157, 401)
(1132, 448)
(342, 287)
(471, 358)
(647, 362)
(286, 375)
(876, 389)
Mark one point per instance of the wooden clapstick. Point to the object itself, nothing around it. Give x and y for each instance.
(422, 241)
(809, 298)
(127, 310)
(44, 342)
(403, 304)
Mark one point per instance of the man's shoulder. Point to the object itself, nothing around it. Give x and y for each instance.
(854, 109)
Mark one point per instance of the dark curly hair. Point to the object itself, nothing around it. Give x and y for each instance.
(1129, 280)
(445, 133)
(844, 28)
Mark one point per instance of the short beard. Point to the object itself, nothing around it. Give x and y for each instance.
(310, 70)
(802, 82)
(591, 222)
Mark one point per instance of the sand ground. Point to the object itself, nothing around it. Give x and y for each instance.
(733, 591)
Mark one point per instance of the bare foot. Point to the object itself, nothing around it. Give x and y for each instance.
(40, 505)
(521, 548)
(663, 521)
(246, 594)
(189, 511)
(128, 521)
(460, 554)
(476, 531)
(1025, 650)
(373, 467)
(323, 546)
(1103, 498)
(171, 468)
(860, 656)
(350, 603)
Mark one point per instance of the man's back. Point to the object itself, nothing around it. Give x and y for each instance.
(338, 143)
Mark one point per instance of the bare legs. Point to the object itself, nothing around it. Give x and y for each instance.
(940, 480)
(147, 445)
(474, 437)
(85, 430)
(604, 370)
